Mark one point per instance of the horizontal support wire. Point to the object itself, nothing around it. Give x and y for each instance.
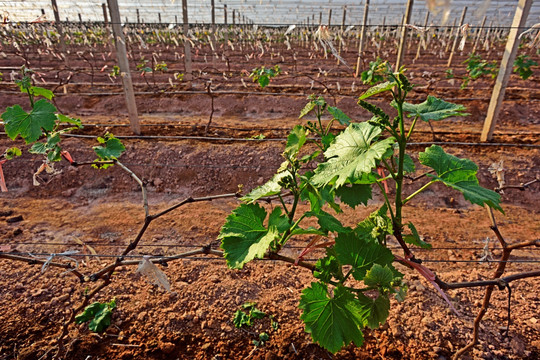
(158, 257)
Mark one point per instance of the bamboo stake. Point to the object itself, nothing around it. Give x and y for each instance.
(187, 45)
(478, 34)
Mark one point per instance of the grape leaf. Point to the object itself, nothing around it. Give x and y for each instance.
(328, 267)
(66, 119)
(281, 222)
(355, 194)
(12, 152)
(414, 238)
(459, 174)
(353, 154)
(361, 252)
(434, 109)
(29, 125)
(296, 139)
(376, 310)
(332, 321)
(98, 314)
(377, 89)
(112, 150)
(327, 222)
(339, 115)
(271, 187)
(244, 237)
(39, 91)
(379, 276)
(408, 164)
(307, 109)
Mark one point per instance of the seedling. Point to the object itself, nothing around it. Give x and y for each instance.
(98, 315)
(522, 66)
(375, 73)
(246, 315)
(263, 75)
(476, 68)
(355, 279)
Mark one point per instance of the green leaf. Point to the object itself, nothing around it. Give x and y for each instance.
(414, 238)
(377, 225)
(408, 164)
(69, 120)
(256, 313)
(459, 174)
(240, 319)
(307, 109)
(361, 252)
(379, 276)
(328, 267)
(296, 139)
(354, 153)
(434, 109)
(327, 222)
(377, 89)
(264, 80)
(112, 150)
(12, 152)
(339, 115)
(271, 187)
(376, 310)
(39, 91)
(355, 194)
(98, 314)
(333, 322)
(279, 221)
(29, 125)
(38, 148)
(244, 237)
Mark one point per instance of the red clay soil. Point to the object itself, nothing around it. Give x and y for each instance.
(88, 209)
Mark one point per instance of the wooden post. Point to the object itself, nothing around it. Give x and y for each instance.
(213, 31)
(106, 23)
(421, 37)
(329, 17)
(159, 18)
(59, 28)
(138, 17)
(478, 34)
(42, 11)
(457, 37)
(123, 63)
(362, 37)
(80, 18)
(403, 38)
(234, 17)
(341, 33)
(507, 63)
(226, 27)
(187, 44)
(320, 18)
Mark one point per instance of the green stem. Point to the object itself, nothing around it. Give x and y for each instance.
(402, 142)
(418, 191)
(327, 131)
(412, 127)
(283, 204)
(387, 201)
(390, 170)
(30, 97)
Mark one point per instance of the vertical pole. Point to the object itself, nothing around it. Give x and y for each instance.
(342, 31)
(421, 37)
(478, 34)
(520, 18)
(362, 37)
(226, 29)
(187, 45)
(403, 38)
(59, 26)
(106, 23)
(213, 30)
(234, 17)
(329, 17)
(138, 17)
(42, 11)
(450, 33)
(159, 18)
(320, 18)
(80, 18)
(123, 63)
(457, 37)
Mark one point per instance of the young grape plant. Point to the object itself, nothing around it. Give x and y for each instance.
(355, 279)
